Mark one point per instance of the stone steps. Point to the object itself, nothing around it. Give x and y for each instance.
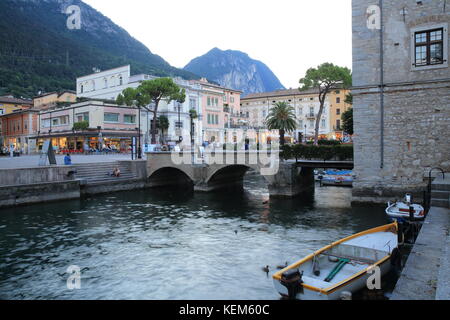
(98, 172)
(440, 192)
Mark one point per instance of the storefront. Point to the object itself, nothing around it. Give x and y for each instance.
(87, 143)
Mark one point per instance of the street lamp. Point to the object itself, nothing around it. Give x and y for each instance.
(305, 133)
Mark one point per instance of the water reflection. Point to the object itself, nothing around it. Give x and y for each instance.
(169, 245)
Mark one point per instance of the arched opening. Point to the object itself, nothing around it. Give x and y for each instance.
(230, 176)
(165, 177)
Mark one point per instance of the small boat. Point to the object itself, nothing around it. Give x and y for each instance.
(339, 267)
(400, 210)
(337, 178)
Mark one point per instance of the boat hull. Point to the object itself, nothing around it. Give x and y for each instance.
(352, 286)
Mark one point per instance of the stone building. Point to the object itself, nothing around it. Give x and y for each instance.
(401, 89)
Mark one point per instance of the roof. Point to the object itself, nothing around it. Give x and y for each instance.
(59, 93)
(209, 84)
(20, 111)
(280, 93)
(15, 101)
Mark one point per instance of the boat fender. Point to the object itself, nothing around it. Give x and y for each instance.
(316, 267)
(333, 259)
(292, 280)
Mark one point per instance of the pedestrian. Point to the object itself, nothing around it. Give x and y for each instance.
(67, 160)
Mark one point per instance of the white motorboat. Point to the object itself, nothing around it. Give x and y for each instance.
(401, 210)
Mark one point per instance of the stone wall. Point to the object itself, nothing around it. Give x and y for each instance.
(416, 103)
(21, 176)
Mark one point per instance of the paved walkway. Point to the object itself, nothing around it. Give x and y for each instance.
(33, 160)
(426, 273)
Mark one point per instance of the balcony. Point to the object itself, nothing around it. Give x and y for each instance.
(226, 109)
(310, 116)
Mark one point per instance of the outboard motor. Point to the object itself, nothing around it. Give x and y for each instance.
(292, 280)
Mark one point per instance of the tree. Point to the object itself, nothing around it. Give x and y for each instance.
(347, 121)
(163, 124)
(148, 96)
(281, 117)
(325, 78)
(349, 98)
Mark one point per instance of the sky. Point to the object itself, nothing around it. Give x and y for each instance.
(289, 36)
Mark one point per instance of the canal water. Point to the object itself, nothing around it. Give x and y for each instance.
(151, 244)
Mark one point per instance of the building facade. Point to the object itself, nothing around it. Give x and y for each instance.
(221, 113)
(306, 105)
(53, 99)
(108, 84)
(108, 126)
(9, 104)
(401, 96)
(17, 130)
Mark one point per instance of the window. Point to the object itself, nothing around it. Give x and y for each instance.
(311, 124)
(81, 88)
(64, 120)
(129, 118)
(224, 98)
(323, 123)
(338, 124)
(111, 117)
(338, 100)
(311, 111)
(216, 101)
(300, 124)
(192, 103)
(105, 83)
(430, 47)
(179, 124)
(338, 112)
(232, 100)
(209, 101)
(2, 111)
(120, 80)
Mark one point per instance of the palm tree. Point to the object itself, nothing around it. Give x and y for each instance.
(163, 124)
(281, 117)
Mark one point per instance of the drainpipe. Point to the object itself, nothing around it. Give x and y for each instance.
(381, 86)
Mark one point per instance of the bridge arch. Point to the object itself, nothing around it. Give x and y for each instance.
(169, 176)
(228, 175)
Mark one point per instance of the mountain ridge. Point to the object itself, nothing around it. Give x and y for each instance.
(235, 69)
(41, 54)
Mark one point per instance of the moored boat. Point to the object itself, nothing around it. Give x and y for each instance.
(337, 178)
(401, 210)
(339, 267)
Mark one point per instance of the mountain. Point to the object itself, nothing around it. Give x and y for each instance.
(39, 52)
(235, 70)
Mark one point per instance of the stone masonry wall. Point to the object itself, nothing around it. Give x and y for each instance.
(417, 103)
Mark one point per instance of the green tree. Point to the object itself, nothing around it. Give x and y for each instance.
(347, 121)
(349, 98)
(324, 79)
(163, 124)
(149, 94)
(281, 117)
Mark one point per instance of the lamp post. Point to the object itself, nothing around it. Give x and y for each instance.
(305, 133)
(139, 137)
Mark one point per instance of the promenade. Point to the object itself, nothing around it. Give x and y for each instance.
(425, 275)
(30, 161)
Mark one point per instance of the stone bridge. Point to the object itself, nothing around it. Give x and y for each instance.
(228, 168)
